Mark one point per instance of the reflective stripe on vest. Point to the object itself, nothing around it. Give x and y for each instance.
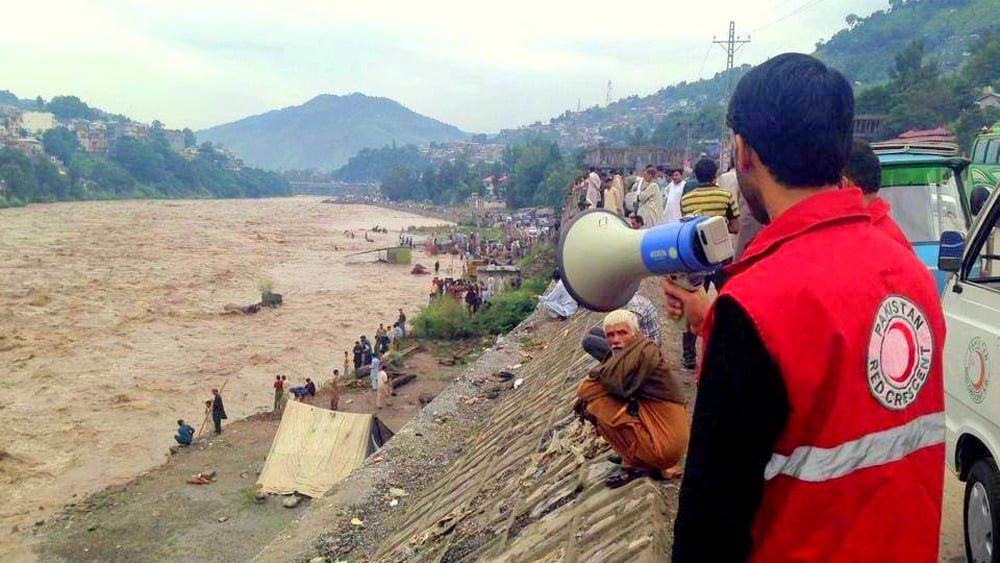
(814, 464)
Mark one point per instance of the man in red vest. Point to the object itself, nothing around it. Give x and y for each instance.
(818, 431)
(863, 171)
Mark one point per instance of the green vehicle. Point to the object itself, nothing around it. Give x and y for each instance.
(985, 168)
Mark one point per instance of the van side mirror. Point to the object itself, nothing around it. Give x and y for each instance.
(977, 199)
(950, 251)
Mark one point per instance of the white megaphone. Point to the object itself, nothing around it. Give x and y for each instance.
(602, 259)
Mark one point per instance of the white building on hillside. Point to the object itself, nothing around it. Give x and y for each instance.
(37, 122)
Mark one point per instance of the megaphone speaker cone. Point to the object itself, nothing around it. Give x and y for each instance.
(600, 260)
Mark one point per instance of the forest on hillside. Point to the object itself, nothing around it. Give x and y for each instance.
(535, 172)
(948, 29)
(134, 168)
(919, 95)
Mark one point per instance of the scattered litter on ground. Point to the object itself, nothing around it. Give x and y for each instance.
(518, 382)
(357, 521)
(201, 479)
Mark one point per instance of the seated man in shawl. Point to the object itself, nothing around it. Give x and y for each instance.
(635, 403)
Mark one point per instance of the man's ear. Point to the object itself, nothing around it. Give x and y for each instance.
(744, 154)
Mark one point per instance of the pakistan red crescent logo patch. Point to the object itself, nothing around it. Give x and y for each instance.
(900, 349)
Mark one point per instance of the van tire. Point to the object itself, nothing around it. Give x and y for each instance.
(982, 490)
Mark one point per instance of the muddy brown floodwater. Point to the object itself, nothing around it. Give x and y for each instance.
(112, 327)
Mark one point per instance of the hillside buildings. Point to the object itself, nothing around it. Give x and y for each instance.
(23, 129)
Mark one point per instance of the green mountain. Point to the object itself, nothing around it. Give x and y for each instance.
(326, 131)
(947, 28)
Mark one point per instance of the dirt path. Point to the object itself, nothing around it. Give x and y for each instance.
(111, 327)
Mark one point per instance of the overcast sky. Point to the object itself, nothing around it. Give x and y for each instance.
(477, 65)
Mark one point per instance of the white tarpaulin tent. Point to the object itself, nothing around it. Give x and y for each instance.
(314, 448)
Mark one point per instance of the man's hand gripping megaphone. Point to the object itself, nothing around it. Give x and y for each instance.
(685, 301)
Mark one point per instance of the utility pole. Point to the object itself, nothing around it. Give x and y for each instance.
(731, 46)
(607, 98)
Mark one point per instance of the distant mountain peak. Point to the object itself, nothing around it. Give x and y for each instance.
(326, 131)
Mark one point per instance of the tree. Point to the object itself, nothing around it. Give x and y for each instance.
(139, 159)
(638, 138)
(910, 68)
(70, 107)
(16, 177)
(39, 103)
(398, 183)
(190, 140)
(852, 20)
(60, 143)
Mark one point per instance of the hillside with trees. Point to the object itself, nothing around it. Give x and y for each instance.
(920, 95)
(133, 168)
(535, 173)
(948, 30)
(681, 116)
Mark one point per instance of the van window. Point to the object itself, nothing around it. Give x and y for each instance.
(923, 201)
(986, 264)
(993, 152)
(979, 152)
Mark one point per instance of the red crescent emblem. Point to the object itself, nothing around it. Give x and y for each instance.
(978, 384)
(911, 349)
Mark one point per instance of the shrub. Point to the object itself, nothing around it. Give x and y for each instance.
(265, 285)
(443, 319)
(535, 286)
(393, 358)
(505, 311)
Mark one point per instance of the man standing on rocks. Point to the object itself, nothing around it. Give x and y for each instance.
(373, 371)
(402, 321)
(359, 352)
(218, 411)
(366, 351)
(279, 392)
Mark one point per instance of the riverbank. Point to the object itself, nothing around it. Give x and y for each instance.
(115, 326)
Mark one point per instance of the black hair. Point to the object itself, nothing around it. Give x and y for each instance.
(862, 167)
(797, 114)
(705, 170)
(556, 274)
(180, 422)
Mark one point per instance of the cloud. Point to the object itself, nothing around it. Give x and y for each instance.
(480, 66)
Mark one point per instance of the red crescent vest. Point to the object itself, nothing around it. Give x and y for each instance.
(879, 211)
(854, 324)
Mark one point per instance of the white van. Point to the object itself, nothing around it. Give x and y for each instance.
(971, 303)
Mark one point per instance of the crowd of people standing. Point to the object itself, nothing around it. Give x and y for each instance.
(663, 194)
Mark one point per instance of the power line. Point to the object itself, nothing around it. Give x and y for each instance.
(795, 12)
(705, 60)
